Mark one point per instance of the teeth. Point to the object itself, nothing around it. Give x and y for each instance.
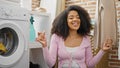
(75, 23)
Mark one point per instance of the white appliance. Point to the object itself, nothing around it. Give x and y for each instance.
(15, 1)
(14, 35)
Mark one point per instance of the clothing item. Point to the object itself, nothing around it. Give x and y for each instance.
(71, 49)
(119, 51)
(74, 64)
(106, 22)
(83, 55)
(2, 48)
(119, 39)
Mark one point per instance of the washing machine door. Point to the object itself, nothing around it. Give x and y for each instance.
(12, 43)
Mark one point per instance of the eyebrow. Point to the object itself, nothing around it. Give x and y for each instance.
(72, 15)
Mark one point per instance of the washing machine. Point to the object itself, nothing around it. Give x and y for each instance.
(14, 36)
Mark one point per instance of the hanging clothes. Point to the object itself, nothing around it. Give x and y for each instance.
(119, 39)
(106, 22)
(119, 51)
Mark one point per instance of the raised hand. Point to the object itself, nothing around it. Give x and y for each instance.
(42, 39)
(107, 45)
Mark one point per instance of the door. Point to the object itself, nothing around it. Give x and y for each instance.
(12, 42)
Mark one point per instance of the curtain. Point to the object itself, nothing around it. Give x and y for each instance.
(119, 39)
(60, 6)
(106, 22)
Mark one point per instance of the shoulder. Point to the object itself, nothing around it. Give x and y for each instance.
(87, 40)
(89, 37)
(55, 37)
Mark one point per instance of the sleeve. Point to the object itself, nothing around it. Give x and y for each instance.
(51, 54)
(91, 60)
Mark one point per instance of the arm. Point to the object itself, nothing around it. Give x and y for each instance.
(90, 60)
(50, 55)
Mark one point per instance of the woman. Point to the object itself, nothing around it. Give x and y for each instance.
(70, 41)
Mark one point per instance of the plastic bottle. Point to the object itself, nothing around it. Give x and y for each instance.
(32, 30)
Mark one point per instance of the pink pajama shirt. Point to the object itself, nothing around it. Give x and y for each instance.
(83, 54)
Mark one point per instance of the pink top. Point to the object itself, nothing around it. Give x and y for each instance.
(83, 55)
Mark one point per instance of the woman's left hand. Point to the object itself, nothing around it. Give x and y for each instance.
(107, 45)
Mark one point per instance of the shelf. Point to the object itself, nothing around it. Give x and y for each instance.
(40, 13)
(34, 45)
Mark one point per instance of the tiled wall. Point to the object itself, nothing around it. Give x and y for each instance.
(113, 57)
(89, 5)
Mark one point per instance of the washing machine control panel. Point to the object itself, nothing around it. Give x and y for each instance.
(13, 12)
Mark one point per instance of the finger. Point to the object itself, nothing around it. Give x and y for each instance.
(104, 43)
(109, 40)
(109, 46)
(39, 33)
(37, 39)
(41, 36)
(44, 33)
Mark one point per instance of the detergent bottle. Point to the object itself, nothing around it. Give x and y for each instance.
(32, 30)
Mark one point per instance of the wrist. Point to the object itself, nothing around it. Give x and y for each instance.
(104, 50)
(44, 46)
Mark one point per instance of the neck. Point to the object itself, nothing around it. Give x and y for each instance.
(73, 34)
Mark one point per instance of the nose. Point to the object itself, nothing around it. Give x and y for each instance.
(75, 19)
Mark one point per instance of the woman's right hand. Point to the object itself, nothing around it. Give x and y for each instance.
(42, 39)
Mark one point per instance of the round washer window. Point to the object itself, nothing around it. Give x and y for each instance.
(8, 41)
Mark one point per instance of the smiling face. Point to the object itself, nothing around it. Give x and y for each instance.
(73, 20)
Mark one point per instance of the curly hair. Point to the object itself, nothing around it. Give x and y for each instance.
(60, 26)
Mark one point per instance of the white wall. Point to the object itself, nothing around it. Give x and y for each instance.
(26, 4)
(50, 6)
